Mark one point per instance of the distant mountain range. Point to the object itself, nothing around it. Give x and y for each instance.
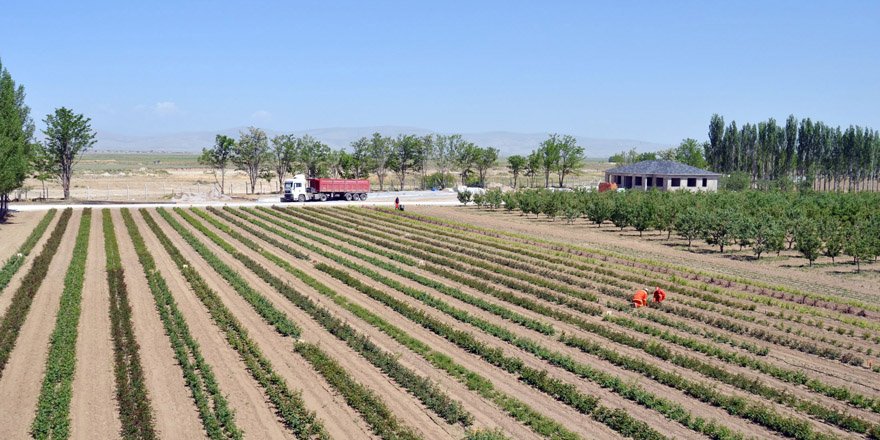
(340, 137)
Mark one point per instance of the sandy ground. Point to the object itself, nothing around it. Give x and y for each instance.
(93, 409)
(246, 398)
(23, 376)
(16, 230)
(174, 410)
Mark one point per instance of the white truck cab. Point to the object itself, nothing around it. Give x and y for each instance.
(296, 189)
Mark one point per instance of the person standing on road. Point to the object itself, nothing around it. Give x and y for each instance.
(396, 203)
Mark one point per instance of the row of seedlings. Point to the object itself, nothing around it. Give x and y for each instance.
(53, 406)
(216, 416)
(288, 404)
(18, 309)
(17, 260)
(135, 411)
(757, 413)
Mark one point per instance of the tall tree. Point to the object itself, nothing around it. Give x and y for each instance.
(218, 157)
(571, 158)
(716, 137)
(251, 153)
(16, 134)
(68, 135)
(283, 155)
(789, 157)
(691, 153)
(312, 156)
(380, 155)
(446, 150)
(533, 166)
(516, 164)
(424, 155)
(486, 158)
(466, 155)
(360, 158)
(405, 149)
(550, 151)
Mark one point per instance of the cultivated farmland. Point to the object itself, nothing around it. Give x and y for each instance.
(274, 322)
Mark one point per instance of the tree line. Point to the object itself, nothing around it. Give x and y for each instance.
(67, 135)
(809, 151)
(813, 223)
(558, 156)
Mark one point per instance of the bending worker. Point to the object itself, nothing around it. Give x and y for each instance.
(659, 295)
(640, 299)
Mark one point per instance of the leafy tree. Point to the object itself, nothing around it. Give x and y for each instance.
(68, 135)
(549, 154)
(860, 244)
(689, 224)
(466, 157)
(713, 147)
(516, 164)
(251, 154)
(360, 158)
(405, 149)
(533, 166)
(313, 156)
(769, 236)
(446, 150)
(719, 227)
(381, 153)
(218, 157)
(808, 242)
(283, 155)
(464, 196)
(643, 216)
(424, 154)
(598, 207)
(736, 181)
(41, 167)
(691, 153)
(571, 158)
(485, 159)
(834, 238)
(16, 135)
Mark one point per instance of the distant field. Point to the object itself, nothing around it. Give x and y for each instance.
(121, 162)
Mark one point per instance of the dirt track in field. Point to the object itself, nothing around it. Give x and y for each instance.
(93, 411)
(174, 411)
(23, 376)
(590, 236)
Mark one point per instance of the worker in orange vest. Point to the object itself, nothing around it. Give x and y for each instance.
(659, 295)
(640, 299)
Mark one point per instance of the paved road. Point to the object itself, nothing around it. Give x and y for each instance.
(437, 198)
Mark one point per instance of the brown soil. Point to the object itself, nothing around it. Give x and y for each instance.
(246, 398)
(16, 230)
(23, 376)
(174, 411)
(6, 294)
(93, 405)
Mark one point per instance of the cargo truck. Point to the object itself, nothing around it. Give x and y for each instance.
(301, 189)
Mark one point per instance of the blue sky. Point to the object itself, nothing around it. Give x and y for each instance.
(652, 70)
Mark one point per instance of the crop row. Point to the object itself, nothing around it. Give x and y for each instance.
(717, 322)
(773, 422)
(24, 295)
(764, 294)
(431, 395)
(53, 405)
(632, 392)
(517, 261)
(288, 404)
(135, 412)
(474, 381)
(793, 376)
(788, 375)
(17, 260)
(216, 416)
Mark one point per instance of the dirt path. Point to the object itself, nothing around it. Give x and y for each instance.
(484, 412)
(93, 406)
(23, 376)
(503, 381)
(340, 420)
(246, 398)
(16, 230)
(408, 409)
(175, 413)
(591, 236)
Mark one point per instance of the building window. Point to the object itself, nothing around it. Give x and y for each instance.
(617, 180)
(675, 182)
(650, 181)
(660, 182)
(692, 182)
(638, 180)
(705, 182)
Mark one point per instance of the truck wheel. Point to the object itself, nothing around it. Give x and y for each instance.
(302, 197)
(348, 196)
(323, 197)
(363, 196)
